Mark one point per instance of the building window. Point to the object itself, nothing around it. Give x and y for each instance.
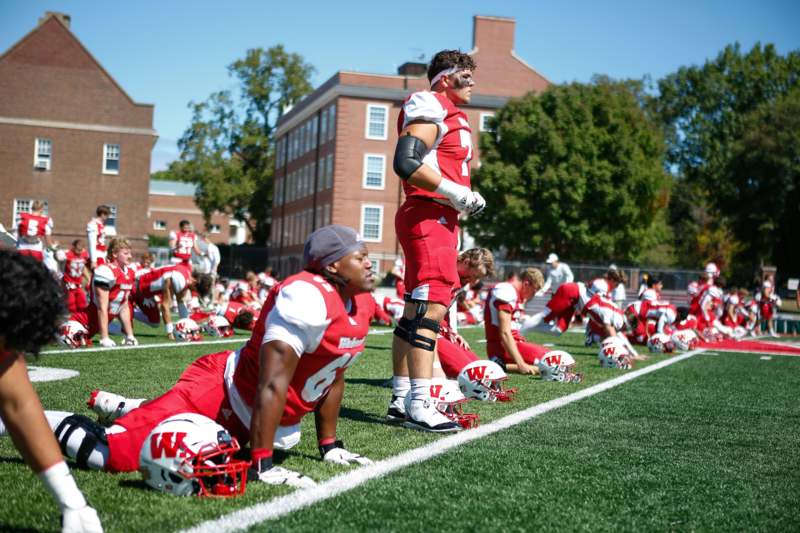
(110, 159)
(111, 222)
(372, 222)
(21, 205)
(484, 123)
(214, 228)
(374, 171)
(323, 126)
(331, 121)
(314, 122)
(377, 121)
(329, 171)
(326, 215)
(43, 154)
(160, 224)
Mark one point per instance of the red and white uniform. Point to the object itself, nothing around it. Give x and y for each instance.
(603, 312)
(31, 231)
(119, 283)
(304, 311)
(504, 297)
(427, 230)
(184, 245)
(662, 313)
(567, 300)
(697, 297)
(74, 267)
(149, 286)
(690, 322)
(767, 305)
(96, 237)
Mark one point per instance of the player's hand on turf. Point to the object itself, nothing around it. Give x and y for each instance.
(277, 475)
(83, 520)
(526, 369)
(340, 456)
(107, 342)
(130, 341)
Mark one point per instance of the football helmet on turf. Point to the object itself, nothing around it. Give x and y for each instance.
(558, 365)
(72, 333)
(191, 454)
(661, 343)
(614, 354)
(218, 326)
(449, 400)
(483, 380)
(187, 330)
(685, 339)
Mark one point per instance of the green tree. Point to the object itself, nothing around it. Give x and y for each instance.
(577, 170)
(227, 150)
(707, 111)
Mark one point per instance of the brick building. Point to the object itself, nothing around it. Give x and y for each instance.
(173, 201)
(71, 136)
(334, 148)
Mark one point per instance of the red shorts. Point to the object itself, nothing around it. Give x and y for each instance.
(76, 300)
(531, 353)
(200, 389)
(453, 357)
(428, 233)
(36, 254)
(149, 308)
(88, 317)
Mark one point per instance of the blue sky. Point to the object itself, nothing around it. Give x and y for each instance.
(171, 52)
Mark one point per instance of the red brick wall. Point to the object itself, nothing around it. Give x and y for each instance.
(163, 207)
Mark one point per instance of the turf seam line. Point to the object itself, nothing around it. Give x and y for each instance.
(284, 505)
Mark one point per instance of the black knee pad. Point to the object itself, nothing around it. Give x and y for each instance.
(94, 434)
(407, 327)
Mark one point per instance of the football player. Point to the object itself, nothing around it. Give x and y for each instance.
(503, 309)
(96, 236)
(111, 285)
(432, 157)
(768, 303)
(31, 306)
(76, 275)
(312, 328)
(183, 242)
(153, 292)
(34, 230)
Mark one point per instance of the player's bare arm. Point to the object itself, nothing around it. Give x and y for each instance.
(278, 364)
(326, 414)
(510, 344)
(102, 311)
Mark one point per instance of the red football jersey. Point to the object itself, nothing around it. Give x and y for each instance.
(502, 297)
(152, 282)
(452, 151)
(184, 244)
(74, 266)
(334, 334)
(118, 282)
(31, 229)
(603, 312)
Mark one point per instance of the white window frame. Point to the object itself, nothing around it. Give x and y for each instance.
(111, 217)
(42, 159)
(385, 134)
(20, 205)
(364, 183)
(106, 159)
(364, 208)
(159, 224)
(483, 117)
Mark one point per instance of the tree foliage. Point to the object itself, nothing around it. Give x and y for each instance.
(710, 114)
(227, 150)
(577, 170)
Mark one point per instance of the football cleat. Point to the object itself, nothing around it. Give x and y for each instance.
(106, 405)
(450, 400)
(397, 409)
(423, 416)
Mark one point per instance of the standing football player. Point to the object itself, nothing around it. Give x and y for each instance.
(432, 158)
(76, 274)
(183, 243)
(34, 231)
(312, 328)
(30, 308)
(96, 236)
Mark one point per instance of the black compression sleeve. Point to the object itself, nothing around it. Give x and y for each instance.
(408, 155)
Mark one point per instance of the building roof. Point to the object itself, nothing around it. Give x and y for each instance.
(172, 188)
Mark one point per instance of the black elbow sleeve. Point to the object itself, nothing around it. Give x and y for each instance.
(408, 155)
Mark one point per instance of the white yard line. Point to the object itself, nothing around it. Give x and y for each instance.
(282, 506)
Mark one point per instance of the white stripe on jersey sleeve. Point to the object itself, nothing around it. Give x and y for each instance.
(178, 281)
(505, 292)
(423, 106)
(299, 317)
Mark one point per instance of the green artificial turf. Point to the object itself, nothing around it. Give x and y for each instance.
(650, 454)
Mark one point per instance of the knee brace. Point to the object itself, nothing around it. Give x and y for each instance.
(92, 435)
(407, 327)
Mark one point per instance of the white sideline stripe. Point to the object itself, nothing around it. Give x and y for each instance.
(173, 344)
(336, 485)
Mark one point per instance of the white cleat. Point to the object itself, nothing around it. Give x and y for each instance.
(106, 405)
(423, 416)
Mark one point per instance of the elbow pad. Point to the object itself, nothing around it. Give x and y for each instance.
(408, 155)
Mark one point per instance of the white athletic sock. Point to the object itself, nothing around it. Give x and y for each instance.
(400, 386)
(420, 388)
